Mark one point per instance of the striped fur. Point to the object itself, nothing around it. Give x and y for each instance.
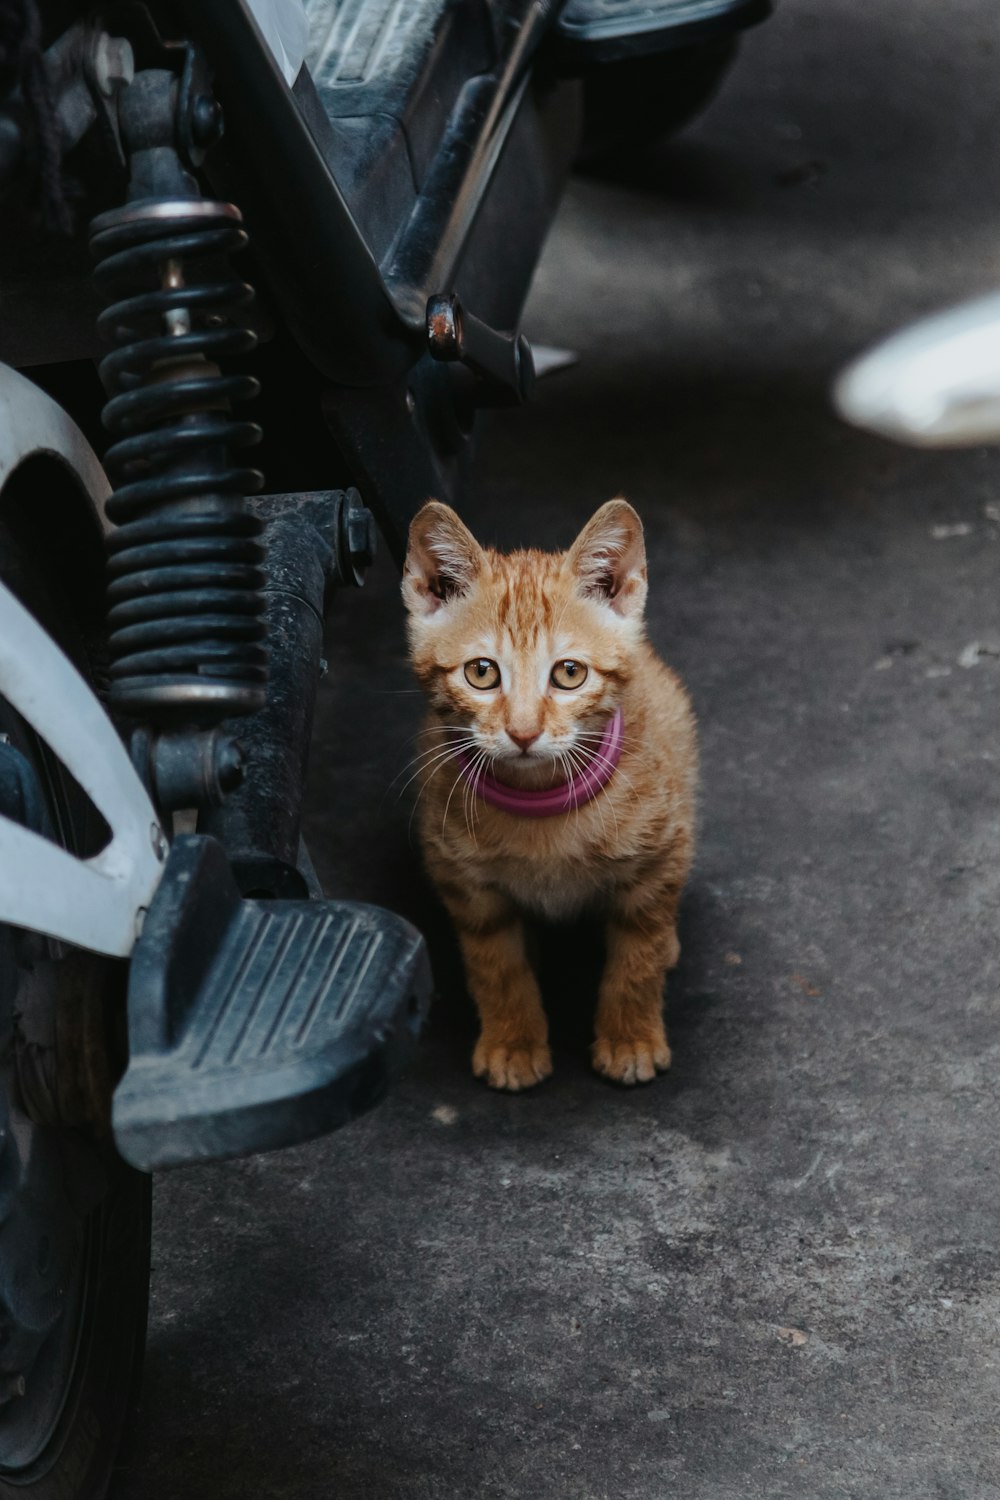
(626, 854)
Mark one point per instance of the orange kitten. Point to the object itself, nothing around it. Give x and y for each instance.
(560, 777)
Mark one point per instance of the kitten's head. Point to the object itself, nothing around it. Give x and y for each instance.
(528, 652)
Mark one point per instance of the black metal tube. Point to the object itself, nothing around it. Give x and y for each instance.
(431, 246)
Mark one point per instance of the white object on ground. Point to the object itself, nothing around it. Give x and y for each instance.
(935, 384)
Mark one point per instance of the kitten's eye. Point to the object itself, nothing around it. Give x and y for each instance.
(568, 674)
(482, 673)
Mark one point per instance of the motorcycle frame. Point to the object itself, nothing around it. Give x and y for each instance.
(372, 405)
(400, 419)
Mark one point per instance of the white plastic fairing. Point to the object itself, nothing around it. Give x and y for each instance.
(936, 384)
(31, 423)
(96, 903)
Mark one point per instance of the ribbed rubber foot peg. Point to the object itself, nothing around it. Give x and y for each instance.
(256, 1024)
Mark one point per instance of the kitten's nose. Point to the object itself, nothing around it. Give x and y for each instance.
(522, 740)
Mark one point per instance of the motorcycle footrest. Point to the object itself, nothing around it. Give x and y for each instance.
(597, 31)
(256, 1024)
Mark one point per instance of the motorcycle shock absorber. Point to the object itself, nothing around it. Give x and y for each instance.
(186, 609)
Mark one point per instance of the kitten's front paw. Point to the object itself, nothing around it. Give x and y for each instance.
(512, 1066)
(632, 1061)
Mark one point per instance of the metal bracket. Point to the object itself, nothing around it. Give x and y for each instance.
(501, 361)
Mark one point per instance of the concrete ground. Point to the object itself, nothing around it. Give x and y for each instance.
(775, 1272)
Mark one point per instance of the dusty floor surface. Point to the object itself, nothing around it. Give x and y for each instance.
(776, 1272)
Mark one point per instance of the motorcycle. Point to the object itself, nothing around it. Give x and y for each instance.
(174, 987)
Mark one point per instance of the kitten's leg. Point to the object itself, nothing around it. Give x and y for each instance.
(512, 1051)
(631, 1040)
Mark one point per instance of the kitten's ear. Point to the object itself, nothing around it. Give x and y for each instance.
(443, 559)
(609, 559)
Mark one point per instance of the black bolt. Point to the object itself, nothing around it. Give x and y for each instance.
(206, 120)
(364, 539)
(229, 764)
(358, 535)
(12, 1384)
(444, 327)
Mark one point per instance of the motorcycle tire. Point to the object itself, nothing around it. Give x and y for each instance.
(74, 1218)
(633, 103)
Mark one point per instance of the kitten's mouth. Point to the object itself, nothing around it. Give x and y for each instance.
(537, 785)
(522, 757)
(532, 769)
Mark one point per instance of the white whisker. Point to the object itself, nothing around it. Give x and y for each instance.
(460, 777)
(599, 802)
(432, 772)
(594, 737)
(479, 773)
(428, 758)
(616, 771)
(469, 794)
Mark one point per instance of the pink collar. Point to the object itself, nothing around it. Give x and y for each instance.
(558, 799)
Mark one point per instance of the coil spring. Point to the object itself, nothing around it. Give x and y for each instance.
(186, 611)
